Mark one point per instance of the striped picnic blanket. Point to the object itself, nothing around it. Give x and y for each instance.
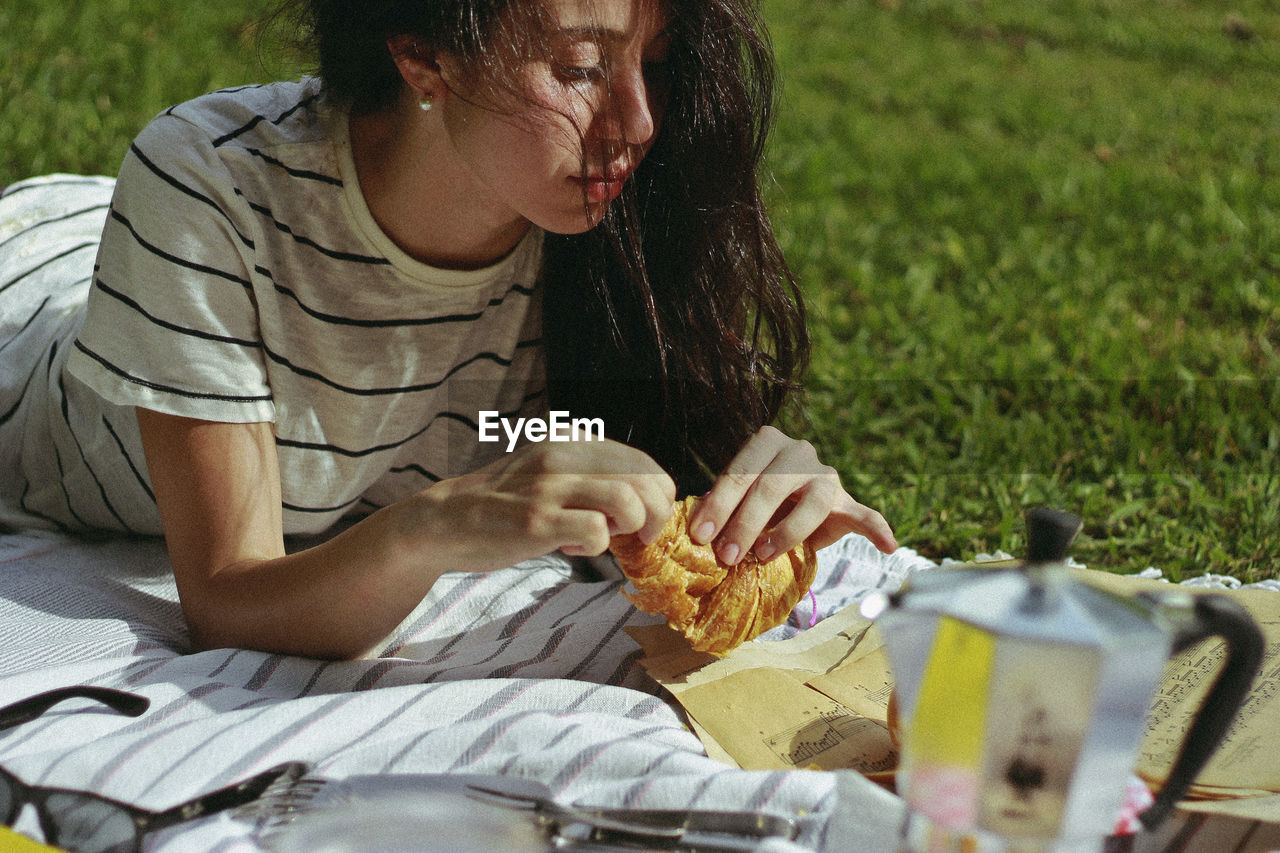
(523, 672)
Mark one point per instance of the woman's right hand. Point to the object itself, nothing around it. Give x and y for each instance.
(570, 496)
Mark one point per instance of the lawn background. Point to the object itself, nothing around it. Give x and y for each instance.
(1039, 241)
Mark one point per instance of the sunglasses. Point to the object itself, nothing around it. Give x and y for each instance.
(83, 822)
(28, 709)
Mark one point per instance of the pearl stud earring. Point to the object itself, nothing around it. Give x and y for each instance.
(425, 103)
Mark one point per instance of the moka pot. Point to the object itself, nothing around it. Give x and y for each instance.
(1022, 696)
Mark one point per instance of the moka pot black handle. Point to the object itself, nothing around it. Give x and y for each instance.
(1221, 616)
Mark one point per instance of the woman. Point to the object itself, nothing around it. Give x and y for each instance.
(309, 295)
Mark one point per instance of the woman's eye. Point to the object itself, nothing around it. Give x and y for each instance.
(578, 60)
(574, 73)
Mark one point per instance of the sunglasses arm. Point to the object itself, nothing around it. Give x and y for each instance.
(226, 798)
(32, 707)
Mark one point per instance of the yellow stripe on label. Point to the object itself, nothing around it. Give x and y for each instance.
(12, 842)
(951, 713)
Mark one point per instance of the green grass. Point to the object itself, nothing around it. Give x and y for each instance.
(1040, 243)
(79, 80)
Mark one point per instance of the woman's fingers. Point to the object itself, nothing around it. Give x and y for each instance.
(775, 494)
(804, 512)
(732, 487)
(855, 518)
(629, 487)
(596, 509)
(770, 472)
(575, 497)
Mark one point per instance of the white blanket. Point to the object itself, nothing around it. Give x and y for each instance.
(524, 672)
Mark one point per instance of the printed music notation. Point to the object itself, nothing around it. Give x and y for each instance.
(835, 739)
(1184, 678)
(880, 696)
(1239, 745)
(862, 684)
(1244, 759)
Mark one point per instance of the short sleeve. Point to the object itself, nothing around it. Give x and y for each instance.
(172, 322)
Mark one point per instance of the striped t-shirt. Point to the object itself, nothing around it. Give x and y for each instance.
(241, 278)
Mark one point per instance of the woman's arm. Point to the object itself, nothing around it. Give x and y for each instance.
(218, 490)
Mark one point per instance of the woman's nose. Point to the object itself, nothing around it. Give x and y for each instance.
(631, 116)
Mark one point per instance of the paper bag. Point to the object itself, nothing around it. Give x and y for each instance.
(816, 701)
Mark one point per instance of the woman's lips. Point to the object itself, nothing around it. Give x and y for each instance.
(602, 189)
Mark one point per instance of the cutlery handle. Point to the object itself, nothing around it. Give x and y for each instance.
(749, 824)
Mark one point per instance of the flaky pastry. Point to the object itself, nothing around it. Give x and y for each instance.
(716, 606)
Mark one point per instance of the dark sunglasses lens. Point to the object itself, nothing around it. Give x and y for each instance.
(88, 825)
(8, 799)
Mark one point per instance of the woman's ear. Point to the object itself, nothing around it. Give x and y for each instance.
(417, 65)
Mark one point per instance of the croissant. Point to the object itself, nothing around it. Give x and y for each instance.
(716, 606)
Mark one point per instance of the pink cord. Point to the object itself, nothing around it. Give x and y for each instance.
(813, 620)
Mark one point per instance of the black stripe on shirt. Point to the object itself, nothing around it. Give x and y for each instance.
(394, 445)
(320, 510)
(174, 259)
(394, 322)
(174, 327)
(343, 451)
(415, 468)
(169, 389)
(231, 90)
(400, 389)
(263, 210)
(258, 119)
(186, 190)
(548, 649)
(304, 174)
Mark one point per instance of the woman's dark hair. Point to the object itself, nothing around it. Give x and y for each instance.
(676, 320)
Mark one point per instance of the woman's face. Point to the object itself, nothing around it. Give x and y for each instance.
(587, 109)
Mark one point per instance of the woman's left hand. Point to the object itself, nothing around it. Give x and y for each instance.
(775, 494)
